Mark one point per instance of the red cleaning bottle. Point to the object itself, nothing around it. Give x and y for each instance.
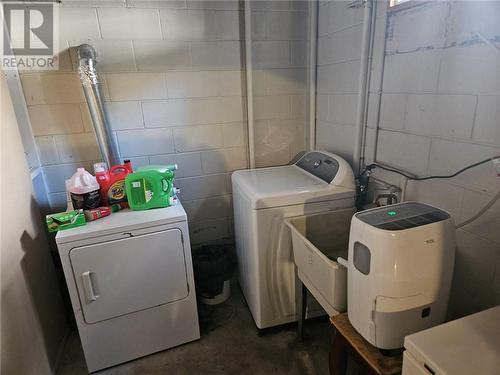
(97, 213)
(112, 181)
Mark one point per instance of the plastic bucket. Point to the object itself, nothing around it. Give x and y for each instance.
(213, 269)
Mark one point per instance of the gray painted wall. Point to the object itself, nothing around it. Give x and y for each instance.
(33, 321)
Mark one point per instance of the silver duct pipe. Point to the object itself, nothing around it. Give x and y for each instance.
(93, 94)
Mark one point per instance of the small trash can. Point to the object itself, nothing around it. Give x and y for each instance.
(213, 269)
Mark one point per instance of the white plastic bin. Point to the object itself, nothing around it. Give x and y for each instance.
(318, 240)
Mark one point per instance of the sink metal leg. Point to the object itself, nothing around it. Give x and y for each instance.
(302, 306)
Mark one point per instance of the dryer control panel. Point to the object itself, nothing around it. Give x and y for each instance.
(320, 165)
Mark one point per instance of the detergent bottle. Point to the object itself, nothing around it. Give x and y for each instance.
(151, 187)
(112, 181)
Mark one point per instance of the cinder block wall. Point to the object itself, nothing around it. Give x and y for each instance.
(439, 112)
(173, 81)
(339, 50)
(279, 58)
(172, 75)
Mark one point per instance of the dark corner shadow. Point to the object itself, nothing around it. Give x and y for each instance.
(39, 274)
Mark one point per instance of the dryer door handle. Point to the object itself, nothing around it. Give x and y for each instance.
(88, 287)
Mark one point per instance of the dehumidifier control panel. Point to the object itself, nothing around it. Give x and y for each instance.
(319, 165)
(402, 216)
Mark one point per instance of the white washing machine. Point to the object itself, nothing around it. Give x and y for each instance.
(262, 198)
(130, 280)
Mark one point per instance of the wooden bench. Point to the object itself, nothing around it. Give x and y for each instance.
(349, 343)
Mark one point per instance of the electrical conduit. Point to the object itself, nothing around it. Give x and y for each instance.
(249, 83)
(313, 50)
(363, 84)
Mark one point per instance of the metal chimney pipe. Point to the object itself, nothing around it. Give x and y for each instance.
(91, 87)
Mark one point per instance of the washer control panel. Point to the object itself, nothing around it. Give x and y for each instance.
(319, 165)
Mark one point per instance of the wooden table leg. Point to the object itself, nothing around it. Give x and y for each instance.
(338, 355)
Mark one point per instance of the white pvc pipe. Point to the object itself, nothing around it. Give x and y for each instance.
(363, 83)
(382, 23)
(249, 83)
(313, 51)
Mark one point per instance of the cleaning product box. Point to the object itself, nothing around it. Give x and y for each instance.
(65, 220)
(151, 187)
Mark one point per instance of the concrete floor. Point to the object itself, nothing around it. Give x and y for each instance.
(229, 344)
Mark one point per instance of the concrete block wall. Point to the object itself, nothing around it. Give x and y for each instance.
(279, 50)
(339, 53)
(440, 95)
(339, 50)
(173, 81)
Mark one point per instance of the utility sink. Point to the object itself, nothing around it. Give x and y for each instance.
(318, 240)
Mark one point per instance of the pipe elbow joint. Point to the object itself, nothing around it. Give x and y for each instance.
(86, 52)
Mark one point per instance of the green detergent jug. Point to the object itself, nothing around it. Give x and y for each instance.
(151, 187)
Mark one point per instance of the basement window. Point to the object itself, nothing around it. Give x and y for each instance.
(393, 3)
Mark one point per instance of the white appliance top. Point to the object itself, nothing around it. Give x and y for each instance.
(470, 345)
(302, 182)
(401, 216)
(124, 220)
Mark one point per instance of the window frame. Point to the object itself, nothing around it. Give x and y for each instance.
(395, 7)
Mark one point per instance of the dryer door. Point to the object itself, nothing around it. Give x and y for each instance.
(123, 276)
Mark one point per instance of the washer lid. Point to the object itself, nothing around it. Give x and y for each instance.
(123, 221)
(286, 185)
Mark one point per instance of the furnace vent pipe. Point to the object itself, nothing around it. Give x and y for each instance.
(92, 89)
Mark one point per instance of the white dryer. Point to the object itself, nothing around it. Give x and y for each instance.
(130, 280)
(262, 198)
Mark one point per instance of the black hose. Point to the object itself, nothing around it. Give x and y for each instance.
(375, 165)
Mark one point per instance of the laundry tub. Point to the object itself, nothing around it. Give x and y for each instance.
(318, 241)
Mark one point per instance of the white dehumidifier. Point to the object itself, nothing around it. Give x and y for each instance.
(400, 267)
